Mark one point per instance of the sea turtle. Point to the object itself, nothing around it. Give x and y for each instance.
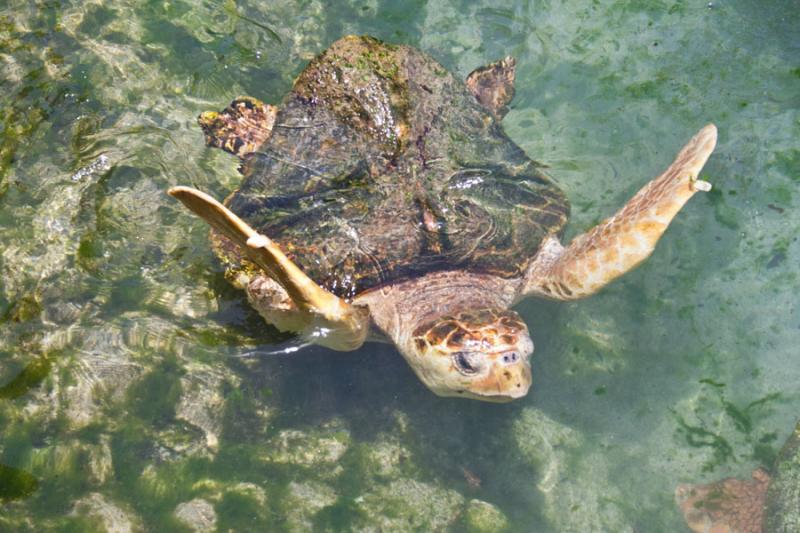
(383, 196)
(769, 503)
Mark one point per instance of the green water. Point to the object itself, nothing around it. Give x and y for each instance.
(124, 401)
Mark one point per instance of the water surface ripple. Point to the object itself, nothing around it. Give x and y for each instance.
(129, 393)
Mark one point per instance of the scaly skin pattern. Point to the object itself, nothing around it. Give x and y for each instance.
(485, 352)
(457, 332)
(621, 242)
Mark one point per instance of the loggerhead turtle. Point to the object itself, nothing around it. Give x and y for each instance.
(769, 503)
(383, 196)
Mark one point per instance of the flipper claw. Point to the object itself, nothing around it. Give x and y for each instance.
(258, 241)
(701, 185)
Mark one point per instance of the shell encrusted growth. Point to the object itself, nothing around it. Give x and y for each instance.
(382, 166)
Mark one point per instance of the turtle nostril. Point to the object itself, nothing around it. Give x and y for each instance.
(511, 357)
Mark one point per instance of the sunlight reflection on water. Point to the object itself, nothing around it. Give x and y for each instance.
(140, 409)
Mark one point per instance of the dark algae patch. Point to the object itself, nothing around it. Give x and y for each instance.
(15, 483)
(28, 378)
(741, 419)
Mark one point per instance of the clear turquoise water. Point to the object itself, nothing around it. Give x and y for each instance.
(123, 393)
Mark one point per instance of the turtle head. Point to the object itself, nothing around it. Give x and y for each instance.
(474, 354)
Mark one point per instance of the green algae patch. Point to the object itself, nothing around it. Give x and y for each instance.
(744, 432)
(155, 396)
(15, 483)
(483, 517)
(25, 309)
(238, 511)
(29, 378)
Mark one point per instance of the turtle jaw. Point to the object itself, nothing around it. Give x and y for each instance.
(503, 384)
(481, 355)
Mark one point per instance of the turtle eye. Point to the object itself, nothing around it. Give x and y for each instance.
(468, 363)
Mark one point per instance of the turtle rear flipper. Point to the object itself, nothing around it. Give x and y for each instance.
(621, 242)
(493, 85)
(332, 322)
(241, 127)
(730, 505)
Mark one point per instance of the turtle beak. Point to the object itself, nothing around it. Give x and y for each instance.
(504, 382)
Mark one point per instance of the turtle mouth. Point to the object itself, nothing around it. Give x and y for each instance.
(500, 383)
(505, 381)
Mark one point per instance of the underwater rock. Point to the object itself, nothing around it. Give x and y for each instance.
(197, 514)
(597, 341)
(100, 462)
(573, 480)
(178, 443)
(386, 458)
(483, 517)
(48, 252)
(783, 496)
(97, 374)
(80, 381)
(113, 518)
(201, 403)
(250, 490)
(158, 483)
(72, 458)
(769, 502)
(409, 505)
(303, 501)
(9, 522)
(316, 448)
(237, 507)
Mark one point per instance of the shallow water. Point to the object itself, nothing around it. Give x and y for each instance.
(124, 390)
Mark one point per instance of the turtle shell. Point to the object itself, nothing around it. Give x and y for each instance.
(382, 166)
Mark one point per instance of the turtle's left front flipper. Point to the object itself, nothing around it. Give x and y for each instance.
(621, 242)
(241, 128)
(333, 322)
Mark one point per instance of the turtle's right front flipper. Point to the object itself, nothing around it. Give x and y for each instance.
(333, 322)
(621, 242)
(493, 85)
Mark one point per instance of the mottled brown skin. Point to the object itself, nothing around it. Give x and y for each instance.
(385, 194)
